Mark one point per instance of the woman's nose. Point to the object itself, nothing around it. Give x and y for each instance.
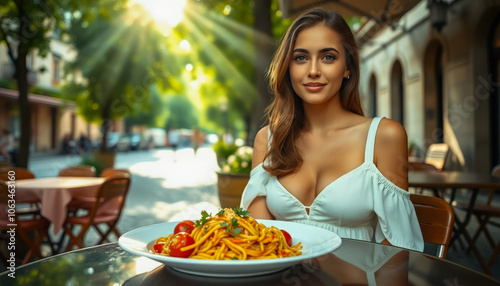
(314, 71)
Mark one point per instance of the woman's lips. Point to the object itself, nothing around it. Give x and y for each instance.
(314, 87)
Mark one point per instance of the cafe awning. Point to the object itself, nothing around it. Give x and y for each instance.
(381, 11)
(36, 98)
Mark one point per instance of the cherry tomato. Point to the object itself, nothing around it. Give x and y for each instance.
(184, 226)
(287, 236)
(179, 241)
(158, 247)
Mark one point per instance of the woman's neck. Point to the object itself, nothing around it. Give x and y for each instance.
(322, 117)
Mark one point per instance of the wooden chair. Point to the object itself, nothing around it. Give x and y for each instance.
(421, 167)
(39, 226)
(437, 154)
(78, 171)
(106, 209)
(19, 173)
(87, 203)
(107, 172)
(436, 220)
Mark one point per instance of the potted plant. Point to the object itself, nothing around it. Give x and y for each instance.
(236, 164)
(90, 160)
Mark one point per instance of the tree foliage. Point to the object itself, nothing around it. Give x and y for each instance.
(121, 55)
(226, 44)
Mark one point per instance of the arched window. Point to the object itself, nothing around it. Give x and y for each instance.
(433, 93)
(397, 93)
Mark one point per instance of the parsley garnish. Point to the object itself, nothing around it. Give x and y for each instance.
(236, 230)
(221, 212)
(234, 222)
(241, 212)
(204, 218)
(234, 258)
(233, 228)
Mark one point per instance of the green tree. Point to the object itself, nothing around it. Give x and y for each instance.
(121, 55)
(238, 45)
(25, 26)
(150, 113)
(181, 113)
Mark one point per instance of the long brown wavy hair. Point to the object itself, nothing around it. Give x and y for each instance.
(286, 111)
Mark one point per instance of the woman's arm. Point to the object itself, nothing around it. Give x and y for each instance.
(258, 208)
(391, 152)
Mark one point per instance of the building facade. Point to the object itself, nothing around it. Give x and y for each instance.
(51, 118)
(440, 80)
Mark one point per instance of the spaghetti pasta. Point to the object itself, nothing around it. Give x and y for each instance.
(232, 234)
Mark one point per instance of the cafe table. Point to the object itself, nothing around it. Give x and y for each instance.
(54, 194)
(353, 263)
(472, 181)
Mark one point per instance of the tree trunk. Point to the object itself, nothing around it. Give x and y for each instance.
(106, 126)
(264, 48)
(21, 76)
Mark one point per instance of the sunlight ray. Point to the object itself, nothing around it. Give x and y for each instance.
(231, 32)
(106, 40)
(221, 62)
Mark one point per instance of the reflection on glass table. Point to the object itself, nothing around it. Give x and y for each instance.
(355, 263)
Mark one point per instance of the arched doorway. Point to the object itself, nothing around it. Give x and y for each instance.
(433, 93)
(397, 93)
(494, 67)
(373, 96)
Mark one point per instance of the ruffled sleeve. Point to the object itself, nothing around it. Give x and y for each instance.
(256, 186)
(397, 220)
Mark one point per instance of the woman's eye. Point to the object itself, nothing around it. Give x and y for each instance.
(329, 57)
(300, 58)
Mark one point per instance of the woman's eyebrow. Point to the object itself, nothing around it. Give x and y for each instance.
(321, 51)
(304, 51)
(329, 50)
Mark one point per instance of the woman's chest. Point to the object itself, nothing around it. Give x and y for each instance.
(348, 200)
(321, 167)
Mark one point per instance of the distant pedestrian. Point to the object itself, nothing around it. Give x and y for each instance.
(68, 145)
(197, 139)
(84, 144)
(7, 145)
(173, 138)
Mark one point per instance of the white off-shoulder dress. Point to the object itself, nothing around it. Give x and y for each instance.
(361, 204)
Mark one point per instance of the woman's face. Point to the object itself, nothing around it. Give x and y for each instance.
(318, 64)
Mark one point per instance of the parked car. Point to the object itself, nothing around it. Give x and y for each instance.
(157, 136)
(111, 142)
(138, 142)
(123, 143)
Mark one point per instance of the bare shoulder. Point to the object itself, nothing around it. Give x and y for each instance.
(260, 146)
(390, 131)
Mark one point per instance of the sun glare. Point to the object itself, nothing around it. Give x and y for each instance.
(169, 12)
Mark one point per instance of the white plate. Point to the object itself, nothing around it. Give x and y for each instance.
(315, 241)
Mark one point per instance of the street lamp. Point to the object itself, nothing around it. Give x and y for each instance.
(438, 10)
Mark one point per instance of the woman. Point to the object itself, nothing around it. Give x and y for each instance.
(320, 161)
